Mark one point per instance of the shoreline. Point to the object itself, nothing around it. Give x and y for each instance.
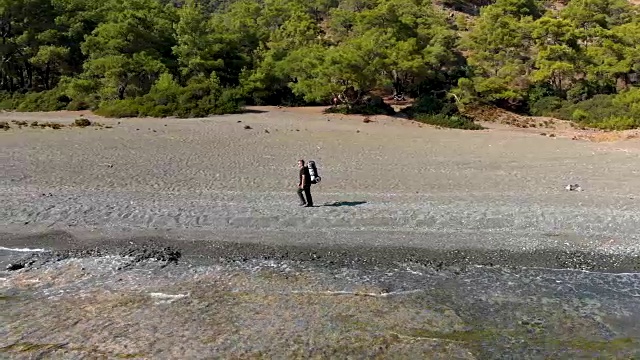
(137, 306)
(206, 252)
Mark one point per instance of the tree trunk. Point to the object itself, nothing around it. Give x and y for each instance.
(23, 81)
(47, 73)
(622, 82)
(29, 70)
(397, 83)
(121, 90)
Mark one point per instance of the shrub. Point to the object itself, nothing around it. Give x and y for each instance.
(449, 121)
(440, 112)
(539, 91)
(82, 104)
(201, 97)
(608, 112)
(370, 106)
(579, 115)
(598, 110)
(152, 110)
(118, 108)
(229, 101)
(545, 106)
(584, 90)
(618, 123)
(10, 101)
(51, 100)
(78, 89)
(431, 105)
(196, 100)
(630, 101)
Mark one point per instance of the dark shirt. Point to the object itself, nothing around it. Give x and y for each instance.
(305, 171)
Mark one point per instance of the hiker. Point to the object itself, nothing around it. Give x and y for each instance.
(304, 185)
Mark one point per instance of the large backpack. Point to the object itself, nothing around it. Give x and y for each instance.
(313, 172)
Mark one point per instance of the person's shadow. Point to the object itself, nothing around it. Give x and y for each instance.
(345, 203)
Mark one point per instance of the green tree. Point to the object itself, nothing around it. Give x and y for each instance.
(48, 62)
(128, 51)
(605, 49)
(499, 47)
(589, 15)
(195, 47)
(629, 35)
(397, 43)
(271, 74)
(558, 56)
(31, 54)
(350, 70)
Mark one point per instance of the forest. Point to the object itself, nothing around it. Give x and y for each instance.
(576, 60)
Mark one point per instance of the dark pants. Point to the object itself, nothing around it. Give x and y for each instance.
(307, 193)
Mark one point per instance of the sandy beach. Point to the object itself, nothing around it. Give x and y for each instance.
(388, 175)
(395, 194)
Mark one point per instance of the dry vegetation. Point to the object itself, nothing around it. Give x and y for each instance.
(500, 116)
(77, 123)
(551, 127)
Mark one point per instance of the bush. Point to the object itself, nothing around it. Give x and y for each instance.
(545, 106)
(440, 111)
(118, 108)
(194, 100)
(51, 100)
(628, 100)
(229, 101)
(10, 101)
(585, 90)
(82, 104)
(449, 121)
(276, 96)
(431, 105)
(618, 123)
(608, 112)
(590, 111)
(374, 105)
(579, 115)
(539, 91)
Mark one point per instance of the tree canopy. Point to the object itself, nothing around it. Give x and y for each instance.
(197, 57)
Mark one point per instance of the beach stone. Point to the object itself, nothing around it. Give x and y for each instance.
(82, 122)
(15, 266)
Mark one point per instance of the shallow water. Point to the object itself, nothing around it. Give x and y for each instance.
(270, 307)
(526, 307)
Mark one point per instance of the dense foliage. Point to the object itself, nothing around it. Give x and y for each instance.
(198, 57)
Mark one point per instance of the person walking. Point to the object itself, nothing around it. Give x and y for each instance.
(304, 185)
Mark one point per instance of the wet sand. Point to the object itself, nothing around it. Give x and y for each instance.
(395, 195)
